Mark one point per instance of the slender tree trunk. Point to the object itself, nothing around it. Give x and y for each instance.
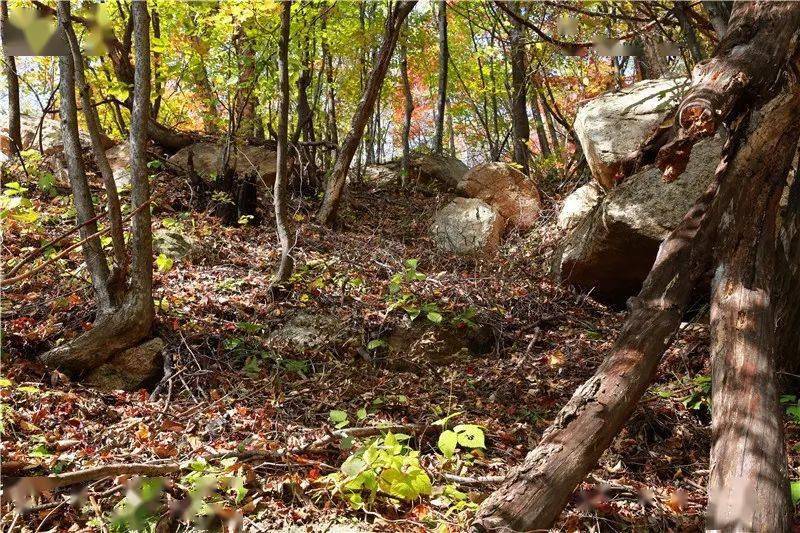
(519, 111)
(282, 222)
(551, 126)
(544, 146)
(409, 109)
(748, 485)
(14, 127)
(444, 61)
(92, 249)
(327, 61)
(336, 182)
(93, 126)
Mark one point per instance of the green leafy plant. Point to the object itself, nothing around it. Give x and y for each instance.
(338, 418)
(700, 396)
(384, 466)
(138, 511)
(467, 436)
(792, 406)
(15, 206)
(164, 263)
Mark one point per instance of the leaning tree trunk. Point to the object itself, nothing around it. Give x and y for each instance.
(118, 274)
(282, 222)
(96, 261)
(336, 182)
(14, 128)
(748, 485)
(534, 493)
(127, 324)
(444, 60)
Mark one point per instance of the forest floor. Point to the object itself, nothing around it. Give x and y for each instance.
(231, 391)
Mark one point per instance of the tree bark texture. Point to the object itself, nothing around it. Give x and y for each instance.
(336, 182)
(282, 222)
(519, 89)
(541, 135)
(787, 283)
(444, 60)
(748, 485)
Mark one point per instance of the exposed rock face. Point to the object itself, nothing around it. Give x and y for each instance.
(248, 159)
(383, 176)
(505, 188)
(467, 226)
(306, 331)
(578, 204)
(171, 243)
(612, 248)
(613, 126)
(129, 369)
(119, 157)
(436, 169)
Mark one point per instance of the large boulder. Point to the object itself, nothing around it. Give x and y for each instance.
(578, 204)
(440, 170)
(172, 243)
(505, 188)
(613, 126)
(383, 175)
(206, 158)
(467, 226)
(610, 251)
(129, 369)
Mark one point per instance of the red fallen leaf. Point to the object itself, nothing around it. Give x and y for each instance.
(420, 511)
(215, 395)
(170, 425)
(313, 474)
(74, 300)
(677, 500)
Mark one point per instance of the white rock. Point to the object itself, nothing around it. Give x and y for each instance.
(467, 226)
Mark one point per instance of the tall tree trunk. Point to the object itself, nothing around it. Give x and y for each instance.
(332, 129)
(282, 222)
(131, 321)
(748, 485)
(92, 249)
(444, 61)
(117, 278)
(534, 493)
(519, 89)
(336, 182)
(409, 109)
(551, 125)
(544, 146)
(14, 128)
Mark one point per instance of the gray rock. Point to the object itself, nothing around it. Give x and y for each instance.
(306, 331)
(440, 344)
(440, 170)
(383, 176)
(467, 226)
(50, 134)
(130, 368)
(610, 251)
(172, 243)
(119, 158)
(578, 204)
(206, 159)
(613, 126)
(509, 191)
